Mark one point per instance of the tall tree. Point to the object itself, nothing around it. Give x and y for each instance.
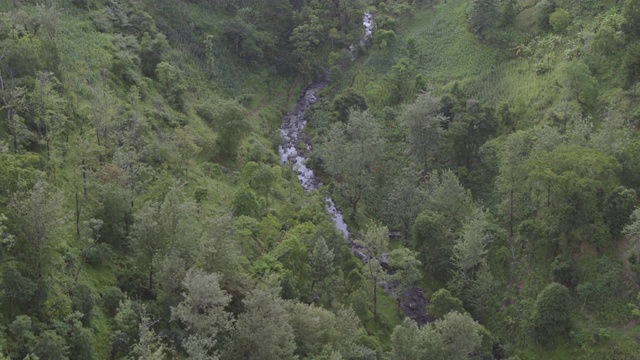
(406, 269)
(14, 102)
(203, 313)
(469, 253)
(262, 331)
(48, 109)
(423, 121)
(37, 219)
(633, 232)
(551, 316)
(482, 15)
(352, 154)
(185, 143)
(321, 262)
(375, 242)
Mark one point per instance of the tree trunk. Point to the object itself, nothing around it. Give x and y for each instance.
(511, 213)
(77, 214)
(84, 179)
(375, 301)
(151, 274)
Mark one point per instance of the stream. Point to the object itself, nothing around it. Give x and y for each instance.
(412, 302)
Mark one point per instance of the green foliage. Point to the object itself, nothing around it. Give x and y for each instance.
(443, 302)
(151, 52)
(631, 14)
(352, 154)
(455, 336)
(244, 201)
(559, 20)
(346, 101)
(482, 15)
(543, 10)
(578, 83)
(172, 84)
(563, 271)
(16, 288)
(84, 301)
(551, 316)
(111, 299)
(617, 208)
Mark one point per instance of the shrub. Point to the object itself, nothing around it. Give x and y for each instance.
(559, 20)
(111, 299)
(551, 314)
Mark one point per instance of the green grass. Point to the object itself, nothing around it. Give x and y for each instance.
(449, 51)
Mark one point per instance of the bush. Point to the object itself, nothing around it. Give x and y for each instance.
(83, 301)
(559, 20)
(552, 313)
(111, 299)
(99, 255)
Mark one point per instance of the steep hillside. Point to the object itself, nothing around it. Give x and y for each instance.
(484, 152)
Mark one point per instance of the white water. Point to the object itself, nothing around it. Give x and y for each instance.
(291, 131)
(369, 25)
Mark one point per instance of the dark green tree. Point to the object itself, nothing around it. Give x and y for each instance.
(443, 302)
(482, 15)
(618, 206)
(551, 316)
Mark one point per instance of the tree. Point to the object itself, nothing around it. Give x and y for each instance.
(375, 242)
(187, 148)
(48, 109)
(14, 102)
(482, 15)
(172, 84)
(347, 101)
(455, 336)
(631, 15)
(146, 239)
(262, 331)
(304, 39)
(149, 345)
(321, 262)
(423, 121)
(94, 227)
(219, 251)
(244, 201)
(617, 208)
(406, 269)
(631, 61)
(232, 126)
(578, 83)
(83, 301)
(551, 316)
(407, 341)
(162, 228)
(559, 20)
(469, 253)
(445, 195)
(404, 202)
(203, 313)
(443, 302)
(433, 242)
(633, 232)
(566, 182)
(38, 220)
(151, 52)
(512, 177)
(352, 154)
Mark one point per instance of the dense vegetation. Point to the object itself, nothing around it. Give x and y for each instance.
(489, 148)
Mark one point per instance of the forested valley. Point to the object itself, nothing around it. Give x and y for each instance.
(470, 178)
